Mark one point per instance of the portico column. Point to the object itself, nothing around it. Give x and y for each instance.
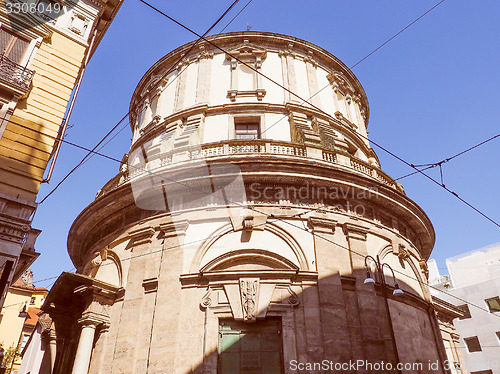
(52, 348)
(84, 350)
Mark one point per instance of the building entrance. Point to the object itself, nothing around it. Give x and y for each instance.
(250, 348)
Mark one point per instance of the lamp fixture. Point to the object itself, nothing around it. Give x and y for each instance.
(23, 313)
(397, 291)
(369, 279)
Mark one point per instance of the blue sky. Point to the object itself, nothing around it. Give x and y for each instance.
(432, 93)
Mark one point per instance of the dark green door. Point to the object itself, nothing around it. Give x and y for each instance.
(250, 348)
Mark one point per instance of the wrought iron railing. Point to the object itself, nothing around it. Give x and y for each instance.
(243, 147)
(15, 74)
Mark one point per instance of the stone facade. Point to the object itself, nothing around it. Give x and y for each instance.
(242, 212)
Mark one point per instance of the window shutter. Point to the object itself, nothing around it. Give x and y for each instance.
(12, 46)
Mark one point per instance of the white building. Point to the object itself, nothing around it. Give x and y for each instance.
(474, 282)
(236, 236)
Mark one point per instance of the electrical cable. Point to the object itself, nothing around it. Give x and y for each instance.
(242, 9)
(429, 166)
(126, 115)
(320, 110)
(372, 142)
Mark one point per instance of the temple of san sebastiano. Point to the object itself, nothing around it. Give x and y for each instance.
(250, 228)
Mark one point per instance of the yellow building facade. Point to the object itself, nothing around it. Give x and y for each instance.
(19, 315)
(44, 47)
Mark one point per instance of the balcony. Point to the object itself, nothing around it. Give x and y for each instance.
(15, 77)
(244, 147)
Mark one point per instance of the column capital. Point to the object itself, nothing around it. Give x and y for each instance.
(90, 321)
(98, 303)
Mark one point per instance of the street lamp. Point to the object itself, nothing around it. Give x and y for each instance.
(23, 313)
(396, 292)
(380, 271)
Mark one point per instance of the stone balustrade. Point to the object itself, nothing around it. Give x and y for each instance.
(240, 147)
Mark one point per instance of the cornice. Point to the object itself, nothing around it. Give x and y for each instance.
(263, 169)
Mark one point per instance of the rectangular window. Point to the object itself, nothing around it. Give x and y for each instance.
(466, 310)
(247, 130)
(12, 46)
(254, 348)
(493, 304)
(23, 342)
(33, 299)
(473, 344)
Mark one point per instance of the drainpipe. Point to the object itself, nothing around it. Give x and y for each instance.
(64, 123)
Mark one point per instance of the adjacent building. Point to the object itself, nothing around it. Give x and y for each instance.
(473, 284)
(20, 315)
(44, 46)
(241, 228)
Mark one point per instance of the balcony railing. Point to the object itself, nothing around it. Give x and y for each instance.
(14, 74)
(239, 147)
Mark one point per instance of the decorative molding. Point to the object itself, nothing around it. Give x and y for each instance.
(310, 59)
(322, 225)
(340, 83)
(98, 303)
(100, 257)
(287, 51)
(204, 53)
(79, 24)
(249, 55)
(344, 120)
(403, 253)
(354, 231)
(424, 268)
(249, 291)
(150, 285)
(142, 236)
(293, 299)
(301, 130)
(348, 282)
(174, 228)
(248, 223)
(206, 301)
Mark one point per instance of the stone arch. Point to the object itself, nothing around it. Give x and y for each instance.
(387, 250)
(299, 261)
(236, 260)
(105, 266)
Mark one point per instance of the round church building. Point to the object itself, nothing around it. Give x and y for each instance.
(250, 228)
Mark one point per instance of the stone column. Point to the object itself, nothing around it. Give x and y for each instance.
(85, 344)
(52, 347)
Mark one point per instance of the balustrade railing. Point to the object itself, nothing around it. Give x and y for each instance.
(241, 147)
(15, 74)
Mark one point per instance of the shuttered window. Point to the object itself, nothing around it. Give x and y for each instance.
(247, 131)
(12, 46)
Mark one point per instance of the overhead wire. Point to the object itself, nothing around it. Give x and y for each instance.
(433, 165)
(320, 110)
(232, 19)
(127, 114)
